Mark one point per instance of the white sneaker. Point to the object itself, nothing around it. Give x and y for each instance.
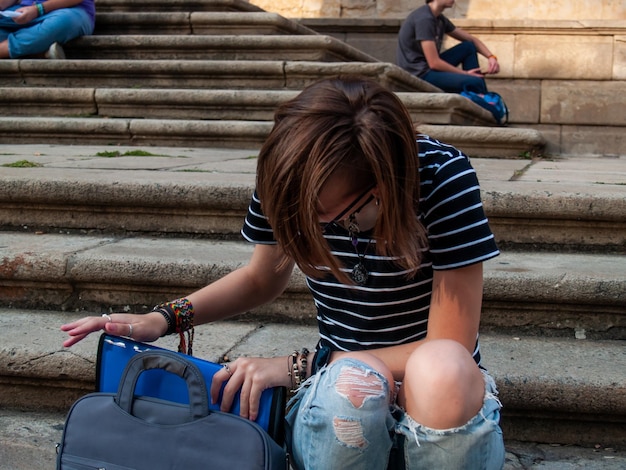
(55, 51)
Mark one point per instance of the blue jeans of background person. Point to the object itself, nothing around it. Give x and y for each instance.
(463, 54)
(326, 430)
(37, 35)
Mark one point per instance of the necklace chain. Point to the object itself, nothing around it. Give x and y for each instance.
(359, 273)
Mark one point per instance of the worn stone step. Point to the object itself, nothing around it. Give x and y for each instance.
(562, 204)
(475, 140)
(255, 74)
(553, 390)
(196, 22)
(149, 132)
(570, 295)
(489, 141)
(255, 105)
(28, 440)
(176, 5)
(214, 47)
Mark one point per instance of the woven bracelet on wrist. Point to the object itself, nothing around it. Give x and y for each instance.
(183, 322)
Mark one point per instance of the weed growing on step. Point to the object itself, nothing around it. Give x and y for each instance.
(533, 154)
(22, 164)
(129, 153)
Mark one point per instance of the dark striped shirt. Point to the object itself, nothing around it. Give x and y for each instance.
(391, 309)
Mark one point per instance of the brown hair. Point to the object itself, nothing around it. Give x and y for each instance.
(337, 125)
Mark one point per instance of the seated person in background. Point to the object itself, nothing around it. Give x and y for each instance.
(419, 43)
(41, 25)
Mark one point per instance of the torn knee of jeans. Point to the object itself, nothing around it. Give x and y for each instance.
(349, 432)
(359, 384)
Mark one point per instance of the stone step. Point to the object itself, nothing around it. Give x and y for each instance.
(176, 6)
(248, 105)
(476, 141)
(196, 22)
(554, 390)
(148, 132)
(563, 204)
(223, 47)
(251, 74)
(28, 440)
(572, 295)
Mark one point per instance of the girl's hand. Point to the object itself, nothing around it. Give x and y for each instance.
(252, 375)
(28, 13)
(146, 327)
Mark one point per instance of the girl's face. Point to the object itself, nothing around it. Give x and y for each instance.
(336, 205)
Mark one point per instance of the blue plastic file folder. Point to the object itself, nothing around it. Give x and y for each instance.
(114, 353)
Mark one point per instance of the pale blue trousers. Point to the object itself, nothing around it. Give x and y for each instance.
(326, 431)
(38, 35)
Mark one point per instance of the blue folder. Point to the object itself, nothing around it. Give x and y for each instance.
(114, 352)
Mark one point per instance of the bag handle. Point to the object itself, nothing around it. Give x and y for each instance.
(170, 362)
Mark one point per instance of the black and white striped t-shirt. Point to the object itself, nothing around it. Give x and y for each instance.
(391, 309)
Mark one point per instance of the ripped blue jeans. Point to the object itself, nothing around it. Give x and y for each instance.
(325, 430)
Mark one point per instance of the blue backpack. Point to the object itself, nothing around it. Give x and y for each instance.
(492, 102)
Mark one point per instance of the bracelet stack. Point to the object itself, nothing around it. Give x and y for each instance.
(179, 315)
(296, 369)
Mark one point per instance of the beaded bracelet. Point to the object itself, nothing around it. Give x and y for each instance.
(292, 365)
(304, 357)
(183, 314)
(40, 9)
(297, 371)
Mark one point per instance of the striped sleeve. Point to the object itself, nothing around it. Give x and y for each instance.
(256, 228)
(452, 211)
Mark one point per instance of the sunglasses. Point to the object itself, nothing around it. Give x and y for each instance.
(349, 212)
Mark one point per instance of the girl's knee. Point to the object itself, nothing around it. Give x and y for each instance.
(442, 363)
(362, 378)
(353, 403)
(443, 386)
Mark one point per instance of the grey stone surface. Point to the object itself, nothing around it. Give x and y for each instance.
(497, 142)
(27, 438)
(90, 271)
(313, 47)
(587, 376)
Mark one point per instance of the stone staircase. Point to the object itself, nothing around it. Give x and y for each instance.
(202, 74)
(99, 227)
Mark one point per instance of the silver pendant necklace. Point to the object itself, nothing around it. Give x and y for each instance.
(359, 273)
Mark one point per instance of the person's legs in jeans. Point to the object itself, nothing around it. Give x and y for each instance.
(342, 419)
(451, 413)
(463, 54)
(455, 82)
(57, 26)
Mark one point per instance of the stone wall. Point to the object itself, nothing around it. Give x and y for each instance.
(472, 9)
